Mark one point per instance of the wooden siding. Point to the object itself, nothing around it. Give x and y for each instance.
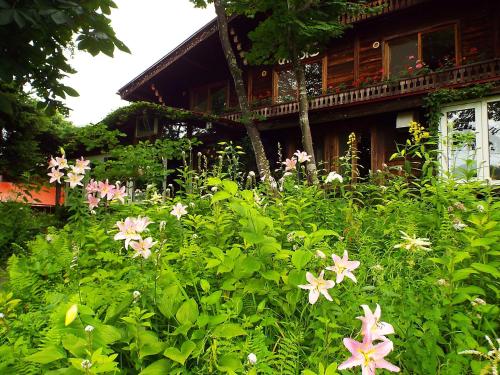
(340, 65)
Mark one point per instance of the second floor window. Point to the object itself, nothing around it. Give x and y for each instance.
(211, 98)
(286, 88)
(422, 52)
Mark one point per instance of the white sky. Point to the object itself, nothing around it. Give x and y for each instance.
(151, 29)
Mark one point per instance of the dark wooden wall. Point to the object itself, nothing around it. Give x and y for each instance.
(358, 57)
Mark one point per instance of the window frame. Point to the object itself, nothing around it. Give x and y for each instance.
(208, 88)
(480, 106)
(149, 134)
(419, 33)
(322, 60)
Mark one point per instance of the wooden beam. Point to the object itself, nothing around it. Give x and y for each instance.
(356, 58)
(346, 112)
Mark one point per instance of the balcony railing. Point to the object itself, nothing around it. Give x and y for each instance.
(386, 6)
(486, 71)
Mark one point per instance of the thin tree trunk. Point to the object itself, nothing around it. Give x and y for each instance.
(252, 131)
(307, 142)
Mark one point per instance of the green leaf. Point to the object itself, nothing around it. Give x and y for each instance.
(59, 17)
(331, 369)
(228, 330)
(271, 275)
(462, 274)
(159, 367)
(221, 195)
(70, 91)
(229, 363)
(478, 242)
(150, 345)
(230, 186)
(169, 301)
(486, 268)
(188, 312)
(46, 355)
(182, 355)
(300, 258)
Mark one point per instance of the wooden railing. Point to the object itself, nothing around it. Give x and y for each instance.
(386, 6)
(468, 74)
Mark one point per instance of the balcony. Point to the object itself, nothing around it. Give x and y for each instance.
(481, 72)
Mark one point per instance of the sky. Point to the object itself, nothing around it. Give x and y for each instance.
(151, 29)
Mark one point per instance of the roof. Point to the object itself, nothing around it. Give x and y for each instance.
(41, 196)
(202, 34)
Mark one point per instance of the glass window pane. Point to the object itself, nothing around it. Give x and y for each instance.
(494, 139)
(287, 87)
(218, 99)
(403, 54)
(145, 127)
(314, 79)
(462, 141)
(438, 48)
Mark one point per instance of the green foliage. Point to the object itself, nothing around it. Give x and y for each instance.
(19, 224)
(96, 138)
(35, 37)
(27, 135)
(434, 101)
(222, 281)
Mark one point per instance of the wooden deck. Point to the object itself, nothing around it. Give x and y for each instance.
(487, 71)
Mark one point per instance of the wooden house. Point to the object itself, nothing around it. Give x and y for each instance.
(371, 81)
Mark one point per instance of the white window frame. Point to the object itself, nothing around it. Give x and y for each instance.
(480, 107)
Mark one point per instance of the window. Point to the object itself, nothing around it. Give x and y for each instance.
(212, 98)
(145, 127)
(434, 49)
(471, 140)
(286, 85)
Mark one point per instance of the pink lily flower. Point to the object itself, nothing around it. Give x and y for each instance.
(142, 247)
(55, 175)
(93, 201)
(77, 170)
(368, 356)
(302, 156)
(141, 223)
(74, 180)
(92, 187)
(290, 164)
(343, 267)
(52, 163)
(82, 163)
(119, 193)
(106, 190)
(127, 231)
(372, 326)
(62, 163)
(317, 286)
(178, 210)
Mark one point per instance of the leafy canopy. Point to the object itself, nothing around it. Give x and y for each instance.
(36, 36)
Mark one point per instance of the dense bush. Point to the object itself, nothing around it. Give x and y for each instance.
(19, 223)
(219, 292)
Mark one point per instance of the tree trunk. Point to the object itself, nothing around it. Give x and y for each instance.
(252, 131)
(307, 142)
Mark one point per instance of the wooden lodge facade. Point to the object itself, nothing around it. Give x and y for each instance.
(371, 81)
